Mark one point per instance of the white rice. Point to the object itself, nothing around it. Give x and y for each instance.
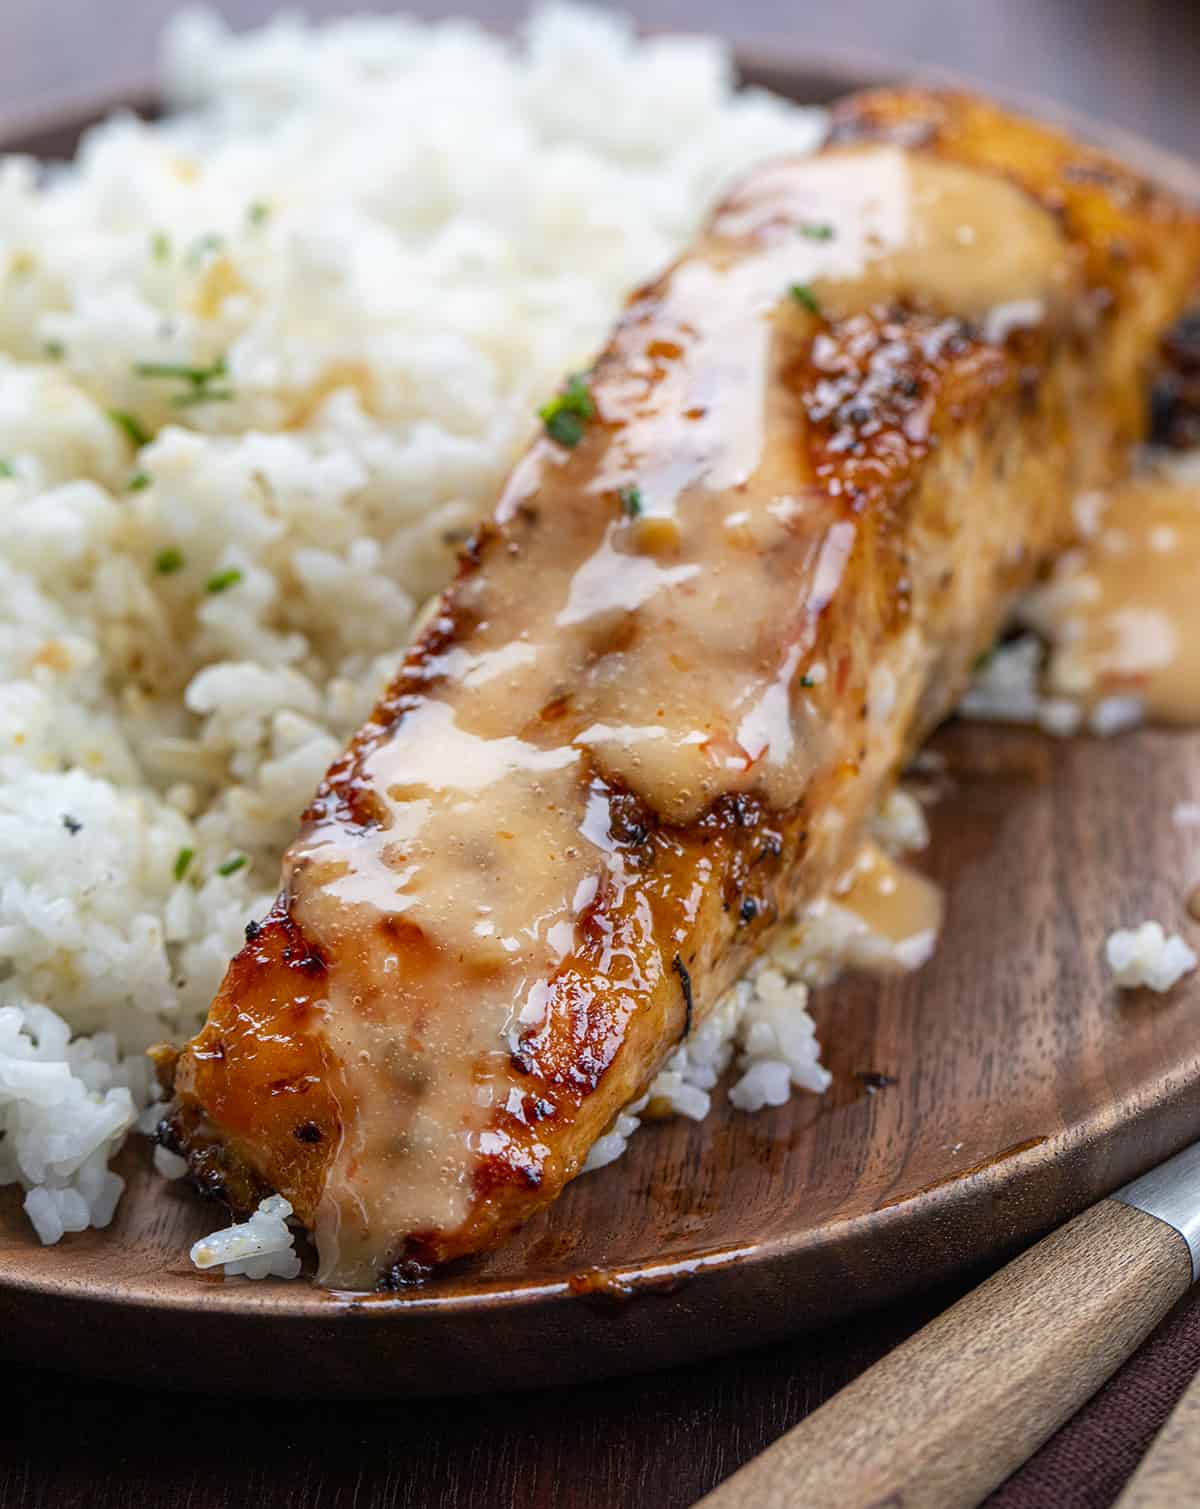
(384, 243)
(65, 1108)
(262, 1247)
(1039, 678)
(900, 824)
(1147, 956)
(763, 1022)
(1009, 687)
(1006, 688)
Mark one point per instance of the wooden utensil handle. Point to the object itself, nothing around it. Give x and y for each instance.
(950, 1413)
(1166, 1478)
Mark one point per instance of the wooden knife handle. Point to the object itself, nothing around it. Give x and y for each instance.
(948, 1415)
(1166, 1478)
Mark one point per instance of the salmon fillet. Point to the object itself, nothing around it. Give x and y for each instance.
(745, 567)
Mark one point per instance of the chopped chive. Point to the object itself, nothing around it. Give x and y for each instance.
(807, 680)
(197, 380)
(139, 482)
(564, 428)
(631, 501)
(816, 230)
(223, 580)
(160, 246)
(55, 350)
(805, 297)
(182, 860)
(202, 395)
(136, 432)
(7, 469)
(168, 561)
(232, 866)
(983, 660)
(565, 414)
(197, 376)
(577, 396)
(258, 212)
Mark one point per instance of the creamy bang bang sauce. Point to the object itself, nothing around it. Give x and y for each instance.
(1122, 610)
(649, 629)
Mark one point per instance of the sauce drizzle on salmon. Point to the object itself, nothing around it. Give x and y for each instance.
(816, 462)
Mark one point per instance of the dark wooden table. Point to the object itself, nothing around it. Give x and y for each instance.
(663, 1439)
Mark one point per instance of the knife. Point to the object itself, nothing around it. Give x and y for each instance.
(950, 1413)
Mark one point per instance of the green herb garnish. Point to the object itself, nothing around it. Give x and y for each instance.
(815, 230)
(807, 680)
(136, 432)
(139, 482)
(7, 469)
(565, 428)
(197, 376)
(631, 501)
(55, 350)
(198, 380)
(182, 860)
(168, 561)
(160, 246)
(805, 297)
(565, 415)
(202, 395)
(223, 580)
(232, 866)
(258, 212)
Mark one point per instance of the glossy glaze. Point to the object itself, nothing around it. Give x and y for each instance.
(900, 908)
(665, 651)
(520, 886)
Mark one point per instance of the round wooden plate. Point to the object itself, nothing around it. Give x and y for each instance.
(1021, 1088)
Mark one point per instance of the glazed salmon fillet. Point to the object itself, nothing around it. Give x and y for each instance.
(743, 569)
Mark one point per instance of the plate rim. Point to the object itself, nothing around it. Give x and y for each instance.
(244, 1307)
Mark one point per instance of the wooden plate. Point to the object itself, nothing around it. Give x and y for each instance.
(1025, 1088)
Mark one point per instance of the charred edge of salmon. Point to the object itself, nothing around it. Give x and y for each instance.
(291, 1097)
(746, 844)
(1046, 160)
(343, 798)
(1175, 399)
(215, 1169)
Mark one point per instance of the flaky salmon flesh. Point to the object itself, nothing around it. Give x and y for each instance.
(743, 569)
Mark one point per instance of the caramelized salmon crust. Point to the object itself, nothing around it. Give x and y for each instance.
(743, 573)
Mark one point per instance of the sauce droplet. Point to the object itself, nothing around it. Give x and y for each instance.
(1122, 609)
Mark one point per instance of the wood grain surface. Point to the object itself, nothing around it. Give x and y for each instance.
(663, 1439)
